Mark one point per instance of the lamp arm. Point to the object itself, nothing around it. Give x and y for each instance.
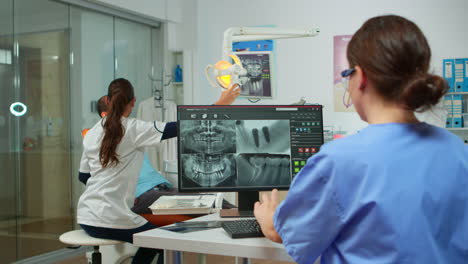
(208, 77)
(265, 37)
(240, 34)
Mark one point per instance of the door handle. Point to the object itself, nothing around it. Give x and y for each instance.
(15, 112)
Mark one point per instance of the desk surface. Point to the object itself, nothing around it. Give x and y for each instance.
(212, 241)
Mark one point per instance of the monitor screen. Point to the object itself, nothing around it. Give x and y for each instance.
(245, 149)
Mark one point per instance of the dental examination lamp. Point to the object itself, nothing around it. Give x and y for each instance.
(224, 74)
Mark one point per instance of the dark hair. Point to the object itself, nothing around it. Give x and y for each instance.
(101, 105)
(120, 94)
(395, 55)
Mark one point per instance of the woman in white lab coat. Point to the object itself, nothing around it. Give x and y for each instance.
(112, 156)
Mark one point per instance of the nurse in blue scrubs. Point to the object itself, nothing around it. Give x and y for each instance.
(396, 192)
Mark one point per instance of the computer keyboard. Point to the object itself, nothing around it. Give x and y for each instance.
(242, 228)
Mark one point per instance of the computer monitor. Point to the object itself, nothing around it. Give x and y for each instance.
(245, 148)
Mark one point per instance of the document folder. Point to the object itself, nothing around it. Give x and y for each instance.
(448, 73)
(459, 66)
(448, 107)
(465, 87)
(457, 110)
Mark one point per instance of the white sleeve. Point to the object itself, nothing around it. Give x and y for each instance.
(84, 164)
(148, 133)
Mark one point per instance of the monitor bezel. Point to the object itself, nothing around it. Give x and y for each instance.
(238, 188)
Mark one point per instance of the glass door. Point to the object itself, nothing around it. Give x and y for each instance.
(43, 192)
(35, 160)
(42, 84)
(8, 156)
(56, 60)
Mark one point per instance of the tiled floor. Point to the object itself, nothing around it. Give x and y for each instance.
(36, 236)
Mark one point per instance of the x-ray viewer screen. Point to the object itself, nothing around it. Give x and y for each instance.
(245, 148)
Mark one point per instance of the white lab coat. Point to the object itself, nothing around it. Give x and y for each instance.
(110, 192)
(167, 150)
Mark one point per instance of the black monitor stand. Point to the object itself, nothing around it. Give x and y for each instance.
(246, 201)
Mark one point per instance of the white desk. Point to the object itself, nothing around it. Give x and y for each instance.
(212, 241)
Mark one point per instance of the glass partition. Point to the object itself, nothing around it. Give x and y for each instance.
(133, 57)
(8, 155)
(92, 69)
(56, 60)
(43, 166)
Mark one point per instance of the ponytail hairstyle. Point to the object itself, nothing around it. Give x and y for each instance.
(395, 55)
(120, 94)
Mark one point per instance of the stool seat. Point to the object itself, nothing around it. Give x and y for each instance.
(79, 237)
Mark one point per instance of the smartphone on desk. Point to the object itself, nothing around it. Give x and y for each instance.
(186, 227)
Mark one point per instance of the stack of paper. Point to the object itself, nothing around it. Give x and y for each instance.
(183, 204)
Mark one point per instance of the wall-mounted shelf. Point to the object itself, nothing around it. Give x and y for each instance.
(458, 129)
(456, 101)
(177, 91)
(451, 93)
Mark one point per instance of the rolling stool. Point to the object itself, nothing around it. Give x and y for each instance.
(79, 237)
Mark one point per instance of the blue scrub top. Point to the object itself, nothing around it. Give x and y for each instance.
(392, 193)
(149, 178)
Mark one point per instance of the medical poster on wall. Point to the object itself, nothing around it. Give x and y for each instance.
(340, 63)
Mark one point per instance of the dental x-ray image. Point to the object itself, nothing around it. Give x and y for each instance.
(207, 152)
(263, 136)
(208, 136)
(203, 170)
(263, 169)
(229, 153)
(257, 82)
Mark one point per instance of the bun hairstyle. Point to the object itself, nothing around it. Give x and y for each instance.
(395, 55)
(120, 94)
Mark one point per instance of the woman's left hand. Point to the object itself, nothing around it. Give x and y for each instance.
(264, 212)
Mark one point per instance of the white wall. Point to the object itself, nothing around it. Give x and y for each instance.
(183, 34)
(304, 67)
